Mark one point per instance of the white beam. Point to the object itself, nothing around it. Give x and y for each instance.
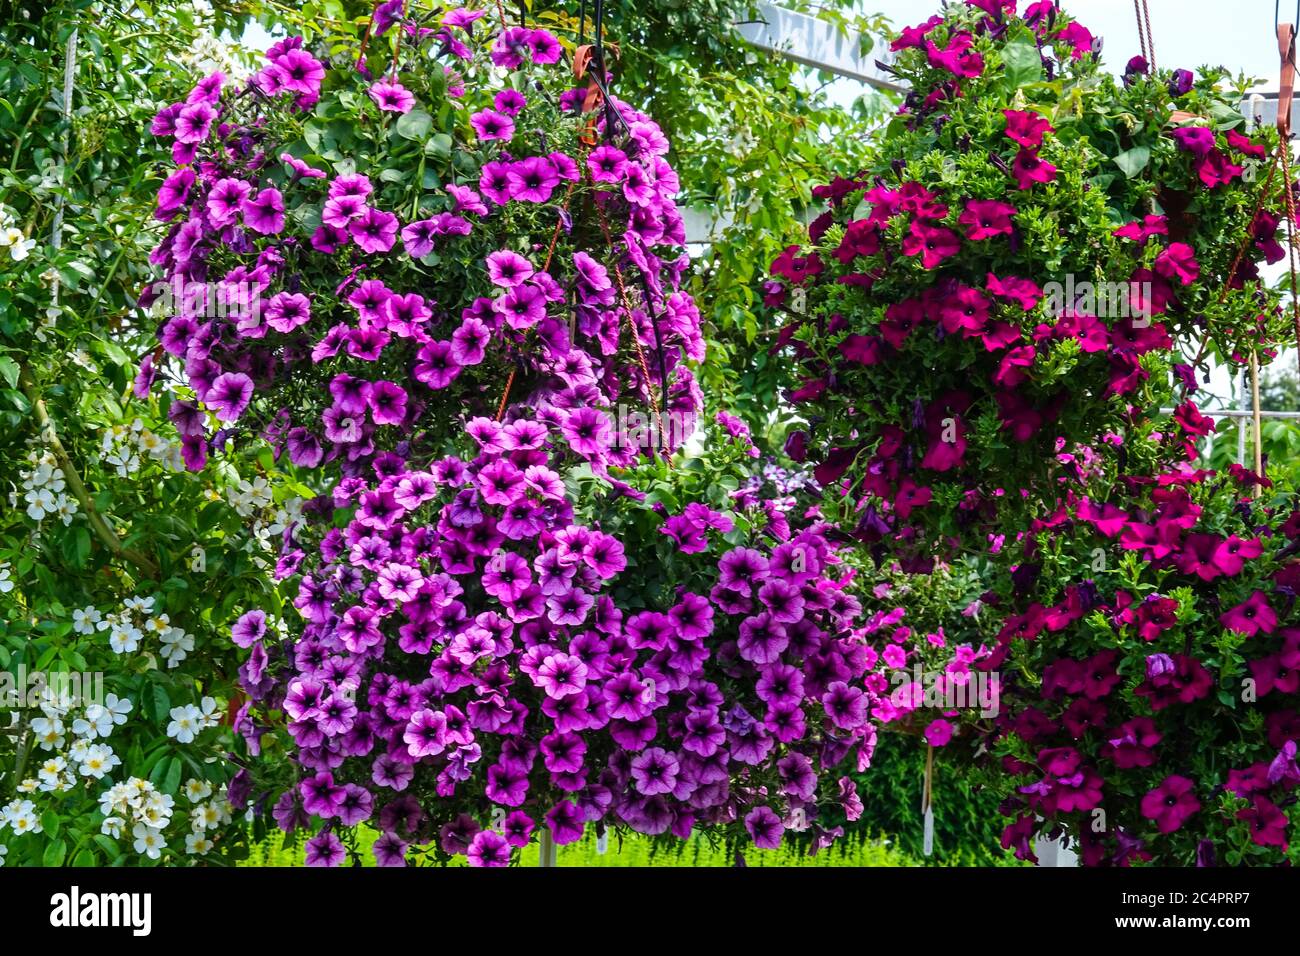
(814, 43)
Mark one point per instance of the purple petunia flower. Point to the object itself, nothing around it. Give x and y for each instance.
(264, 212)
(229, 395)
(225, 199)
(325, 849)
(392, 97)
(249, 629)
(374, 230)
(588, 431)
(764, 828)
(489, 125)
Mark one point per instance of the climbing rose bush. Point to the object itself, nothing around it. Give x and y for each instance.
(998, 294)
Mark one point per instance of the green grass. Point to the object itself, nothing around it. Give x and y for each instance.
(636, 850)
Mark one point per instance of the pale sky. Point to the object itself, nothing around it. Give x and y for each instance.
(1188, 33)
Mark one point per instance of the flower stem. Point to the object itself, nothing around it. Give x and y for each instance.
(98, 525)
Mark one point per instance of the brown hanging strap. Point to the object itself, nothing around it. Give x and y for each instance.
(631, 324)
(1286, 81)
(1146, 40)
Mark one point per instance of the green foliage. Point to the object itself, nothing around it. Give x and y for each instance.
(101, 521)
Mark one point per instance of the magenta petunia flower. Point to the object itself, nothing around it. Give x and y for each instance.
(494, 182)
(1140, 230)
(1253, 616)
(469, 342)
(545, 49)
(426, 733)
(1023, 292)
(1171, 804)
(436, 365)
(387, 402)
(392, 97)
(933, 244)
(508, 269)
(588, 431)
(1027, 128)
(1197, 140)
(194, 122)
(1028, 168)
(301, 168)
(607, 164)
(1178, 261)
(637, 187)
(938, 732)
(229, 395)
(340, 211)
(225, 199)
(510, 102)
(488, 849)
(532, 180)
(466, 199)
(299, 71)
(491, 125)
(522, 306)
(288, 310)
(374, 230)
(957, 57)
(264, 212)
(249, 629)
(987, 218)
(1214, 169)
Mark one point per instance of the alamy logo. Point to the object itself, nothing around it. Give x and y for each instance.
(77, 909)
(237, 300)
(1104, 300)
(940, 690)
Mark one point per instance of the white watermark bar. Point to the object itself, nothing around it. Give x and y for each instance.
(1239, 413)
(25, 690)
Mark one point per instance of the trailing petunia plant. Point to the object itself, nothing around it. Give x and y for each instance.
(480, 367)
(1150, 697)
(1033, 262)
(491, 655)
(376, 254)
(1034, 256)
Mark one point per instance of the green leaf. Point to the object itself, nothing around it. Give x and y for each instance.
(54, 853)
(79, 547)
(50, 823)
(9, 371)
(439, 145)
(84, 858)
(172, 781)
(414, 125)
(162, 704)
(1133, 161)
(1023, 63)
